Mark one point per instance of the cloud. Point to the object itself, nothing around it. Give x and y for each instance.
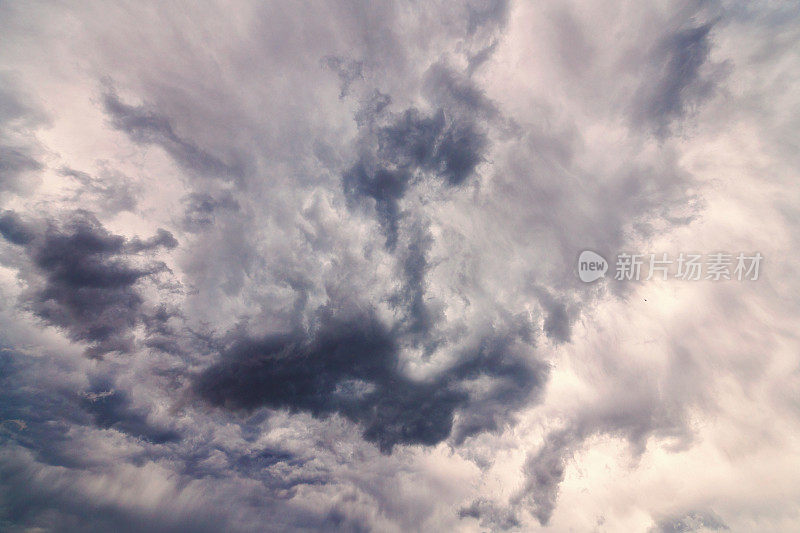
(112, 409)
(351, 367)
(348, 71)
(691, 521)
(145, 125)
(162, 239)
(404, 148)
(110, 193)
(56, 427)
(322, 261)
(486, 14)
(490, 515)
(49, 503)
(14, 230)
(89, 287)
(21, 154)
(201, 209)
(681, 76)
(544, 472)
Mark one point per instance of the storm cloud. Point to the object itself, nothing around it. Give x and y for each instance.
(410, 147)
(351, 367)
(89, 287)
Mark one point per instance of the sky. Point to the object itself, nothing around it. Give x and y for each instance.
(303, 266)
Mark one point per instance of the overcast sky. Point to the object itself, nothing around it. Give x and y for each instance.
(314, 266)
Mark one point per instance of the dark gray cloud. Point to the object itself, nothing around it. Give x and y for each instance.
(14, 230)
(51, 425)
(38, 422)
(50, 443)
(89, 284)
(351, 366)
(413, 146)
(51, 506)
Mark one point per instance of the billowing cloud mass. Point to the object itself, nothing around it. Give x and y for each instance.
(283, 267)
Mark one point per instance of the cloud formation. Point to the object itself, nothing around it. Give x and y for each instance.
(88, 285)
(271, 267)
(351, 366)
